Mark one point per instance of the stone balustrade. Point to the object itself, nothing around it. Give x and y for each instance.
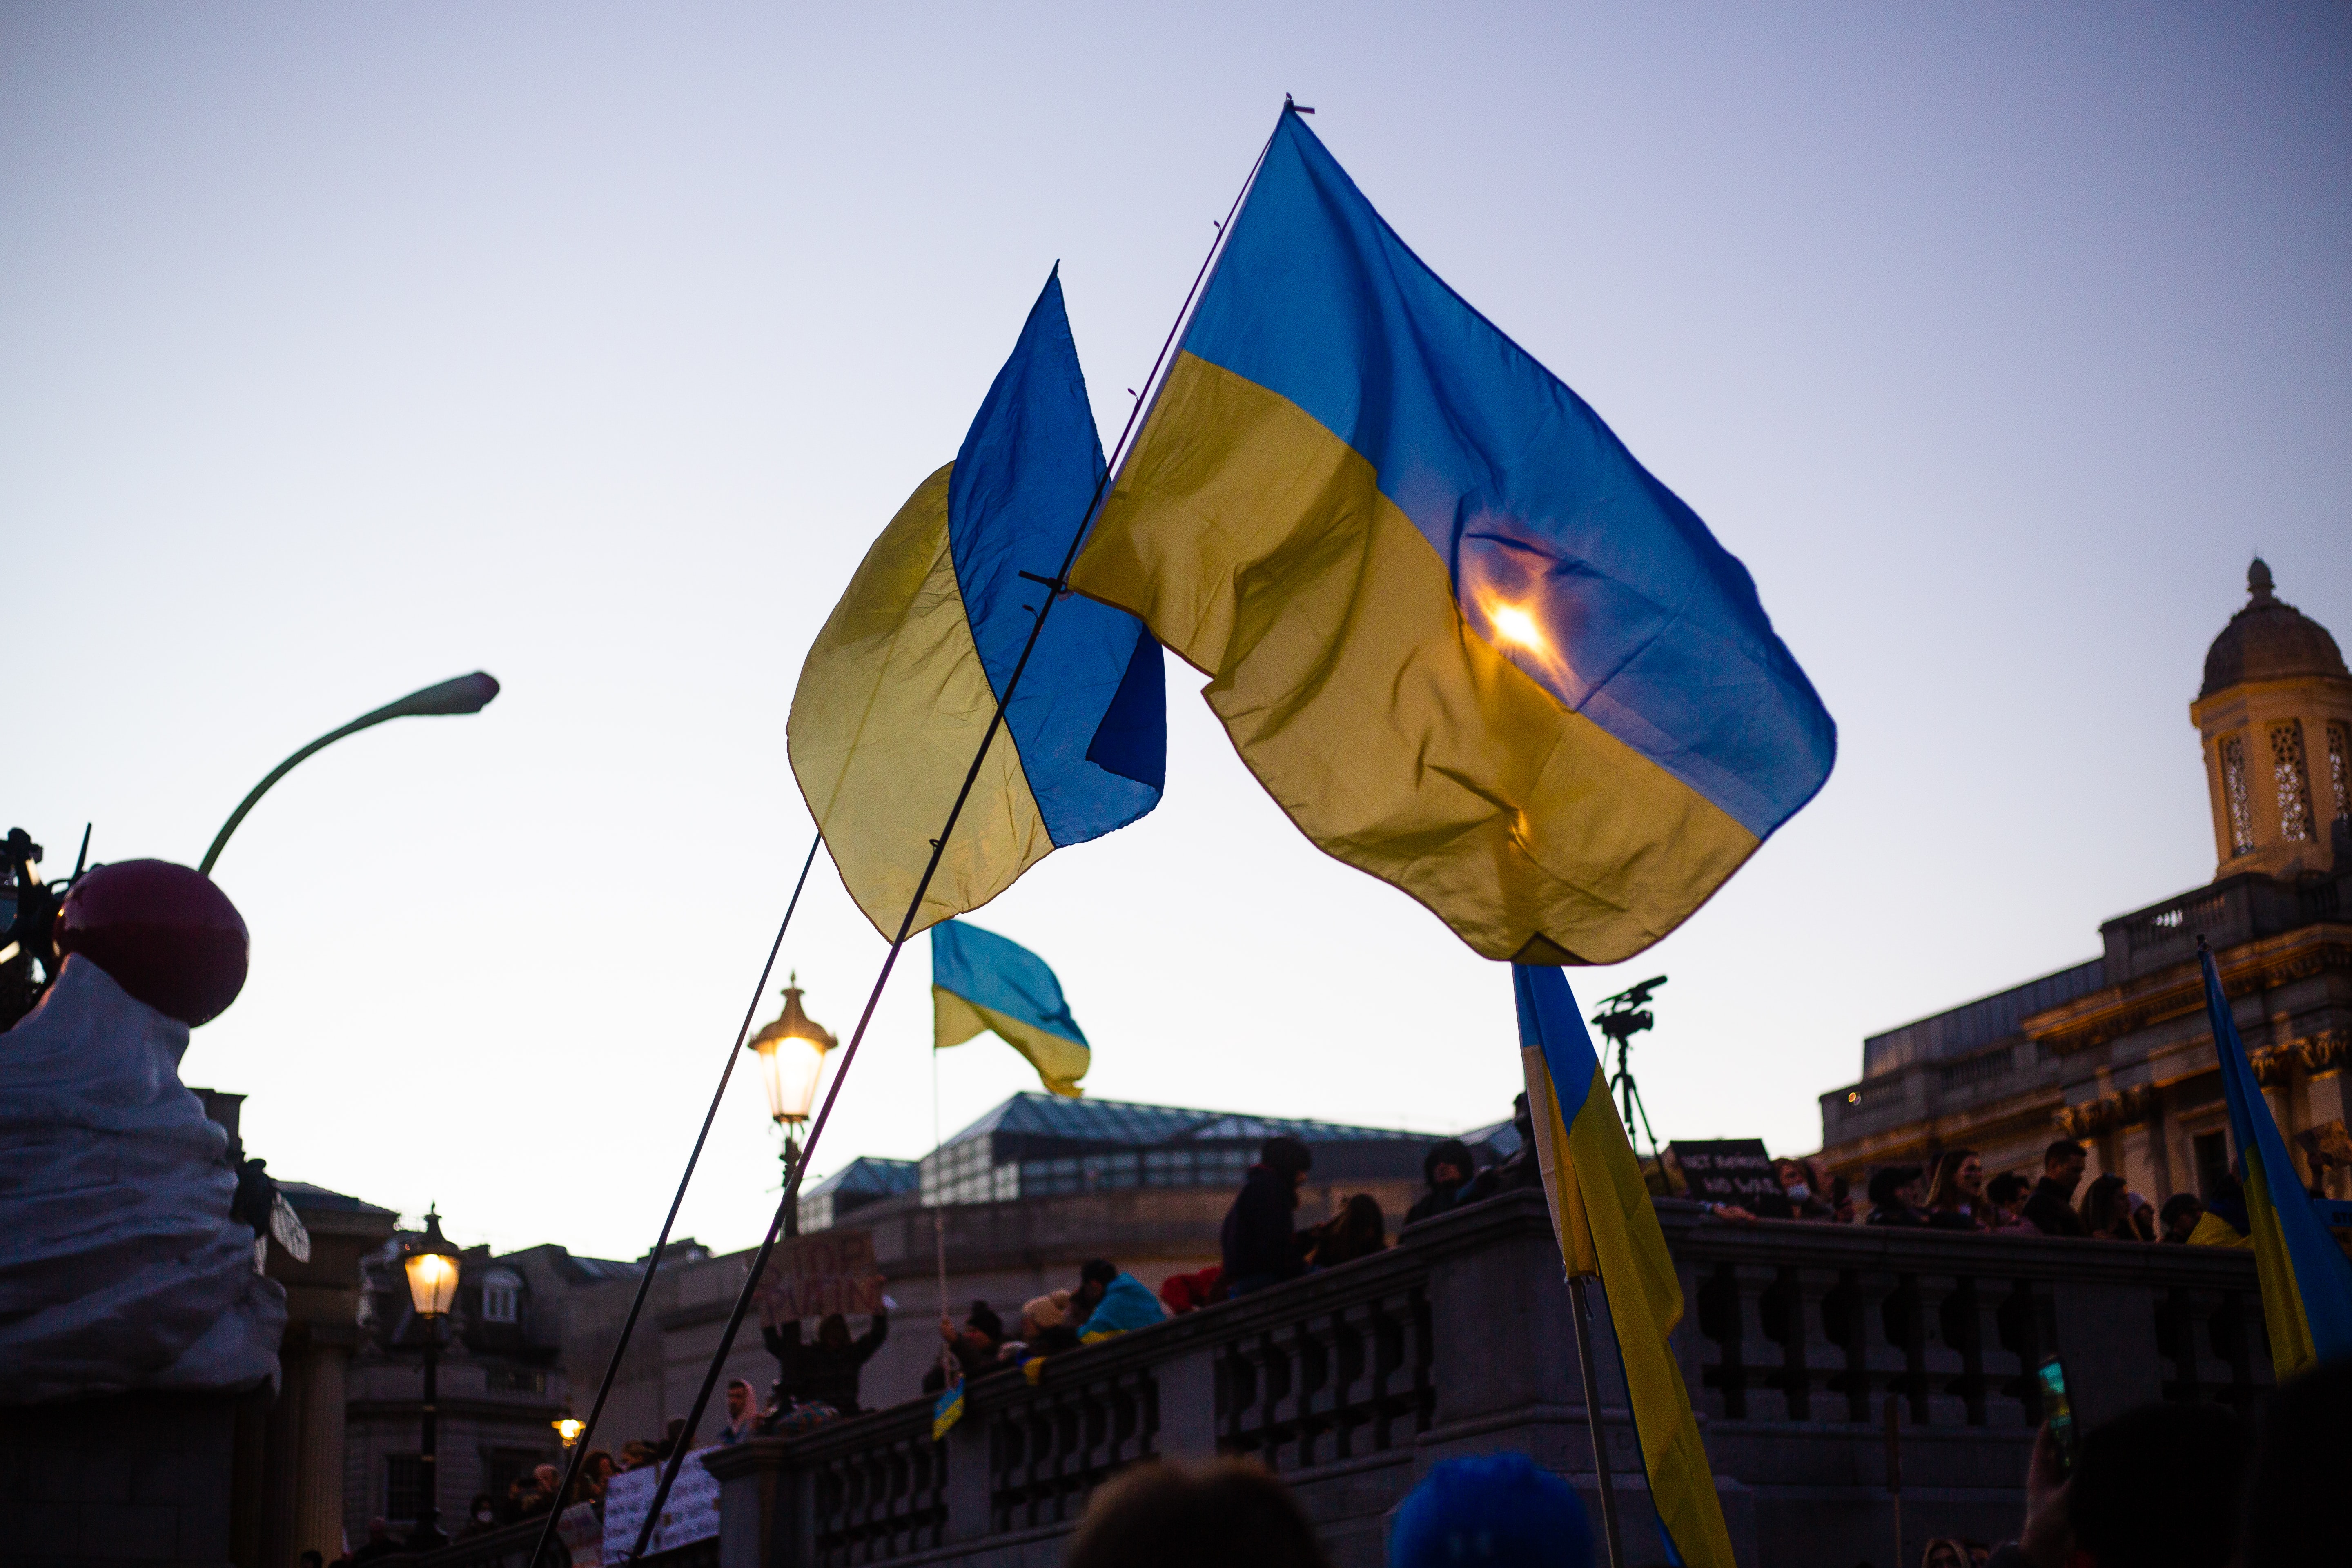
(1350, 1383)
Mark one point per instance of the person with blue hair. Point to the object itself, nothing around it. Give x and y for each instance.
(1491, 1509)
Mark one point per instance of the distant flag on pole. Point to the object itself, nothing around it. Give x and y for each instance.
(2306, 1283)
(981, 982)
(906, 674)
(1601, 1214)
(1464, 639)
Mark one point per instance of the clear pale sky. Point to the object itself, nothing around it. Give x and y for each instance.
(346, 349)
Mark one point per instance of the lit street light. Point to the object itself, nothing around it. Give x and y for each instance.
(467, 694)
(791, 1058)
(432, 1267)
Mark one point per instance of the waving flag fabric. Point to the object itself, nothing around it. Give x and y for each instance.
(906, 674)
(1601, 1212)
(1467, 641)
(981, 980)
(2306, 1283)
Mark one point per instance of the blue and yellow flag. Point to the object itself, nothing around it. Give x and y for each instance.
(906, 674)
(947, 1409)
(2306, 1283)
(1465, 640)
(1601, 1212)
(980, 980)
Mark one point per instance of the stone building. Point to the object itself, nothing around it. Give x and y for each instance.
(2115, 1052)
(501, 1383)
(1020, 1199)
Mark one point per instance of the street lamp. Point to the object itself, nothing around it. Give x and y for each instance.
(569, 1429)
(791, 1058)
(466, 694)
(432, 1267)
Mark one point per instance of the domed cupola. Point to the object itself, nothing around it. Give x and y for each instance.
(2276, 715)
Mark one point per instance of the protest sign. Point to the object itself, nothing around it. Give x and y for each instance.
(812, 1276)
(689, 1513)
(1732, 1171)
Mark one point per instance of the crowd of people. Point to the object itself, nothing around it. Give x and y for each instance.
(1954, 1194)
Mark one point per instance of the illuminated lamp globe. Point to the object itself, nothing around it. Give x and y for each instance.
(791, 1058)
(569, 1429)
(432, 1267)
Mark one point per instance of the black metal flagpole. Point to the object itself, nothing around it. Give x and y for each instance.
(1058, 584)
(653, 1258)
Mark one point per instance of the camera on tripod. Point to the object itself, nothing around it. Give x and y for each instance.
(1621, 1017)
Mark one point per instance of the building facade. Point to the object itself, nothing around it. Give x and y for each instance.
(2117, 1052)
(1016, 1201)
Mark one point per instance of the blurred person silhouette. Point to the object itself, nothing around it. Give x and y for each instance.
(2299, 1485)
(1357, 1230)
(1445, 1170)
(1495, 1509)
(1259, 1244)
(1230, 1514)
(1894, 1196)
(2102, 1213)
(2157, 1487)
(2179, 1215)
(2004, 1206)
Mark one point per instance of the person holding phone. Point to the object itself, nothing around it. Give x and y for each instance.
(2156, 1486)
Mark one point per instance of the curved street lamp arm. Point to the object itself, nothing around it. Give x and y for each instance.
(467, 694)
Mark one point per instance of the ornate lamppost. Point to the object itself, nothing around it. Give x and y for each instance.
(791, 1053)
(432, 1267)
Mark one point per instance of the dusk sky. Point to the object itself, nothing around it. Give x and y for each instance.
(346, 349)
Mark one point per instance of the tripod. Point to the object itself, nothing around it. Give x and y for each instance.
(1623, 1018)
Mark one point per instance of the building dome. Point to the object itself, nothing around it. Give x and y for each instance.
(2268, 640)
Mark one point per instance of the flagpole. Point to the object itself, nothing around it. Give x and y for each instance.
(580, 1445)
(1580, 1314)
(948, 1364)
(1059, 584)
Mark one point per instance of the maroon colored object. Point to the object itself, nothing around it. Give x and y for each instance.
(164, 933)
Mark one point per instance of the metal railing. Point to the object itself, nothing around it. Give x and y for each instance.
(1348, 1383)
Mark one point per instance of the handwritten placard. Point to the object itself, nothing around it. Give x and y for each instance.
(813, 1276)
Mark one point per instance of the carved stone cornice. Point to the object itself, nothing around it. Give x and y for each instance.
(2125, 1108)
(2115, 1011)
(2325, 1051)
(2272, 1067)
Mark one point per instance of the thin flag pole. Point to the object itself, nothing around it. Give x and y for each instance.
(652, 1259)
(940, 1226)
(1059, 584)
(1580, 1314)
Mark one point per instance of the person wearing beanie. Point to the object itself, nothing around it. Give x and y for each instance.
(1491, 1509)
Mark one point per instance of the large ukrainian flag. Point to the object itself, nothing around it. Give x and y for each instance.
(906, 674)
(1467, 641)
(1601, 1212)
(2306, 1283)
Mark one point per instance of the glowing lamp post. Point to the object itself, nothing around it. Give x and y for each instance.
(432, 1267)
(569, 1429)
(791, 1053)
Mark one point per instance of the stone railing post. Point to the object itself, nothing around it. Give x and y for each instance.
(972, 1513)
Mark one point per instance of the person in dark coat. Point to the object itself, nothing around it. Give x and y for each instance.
(1260, 1247)
(824, 1372)
(1447, 1168)
(2051, 1208)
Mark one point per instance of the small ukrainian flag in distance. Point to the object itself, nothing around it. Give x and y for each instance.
(948, 1411)
(1467, 641)
(983, 982)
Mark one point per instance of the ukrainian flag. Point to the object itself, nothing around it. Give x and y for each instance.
(947, 1409)
(1469, 643)
(2306, 1283)
(906, 674)
(1601, 1212)
(981, 980)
